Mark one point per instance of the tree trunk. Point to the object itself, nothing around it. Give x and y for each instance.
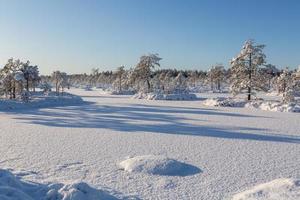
(148, 86)
(14, 89)
(250, 78)
(27, 85)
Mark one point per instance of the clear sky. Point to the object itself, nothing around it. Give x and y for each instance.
(77, 35)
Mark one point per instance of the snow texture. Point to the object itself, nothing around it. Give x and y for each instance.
(279, 189)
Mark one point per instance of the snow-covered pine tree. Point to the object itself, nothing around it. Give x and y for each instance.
(270, 71)
(30, 73)
(296, 81)
(118, 82)
(143, 70)
(245, 69)
(284, 82)
(179, 84)
(12, 77)
(60, 80)
(216, 76)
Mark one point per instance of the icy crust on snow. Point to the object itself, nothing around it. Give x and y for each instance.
(274, 106)
(157, 96)
(157, 165)
(41, 101)
(11, 188)
(224, 102)
(279, 189)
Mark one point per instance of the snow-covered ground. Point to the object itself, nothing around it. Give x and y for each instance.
(231, 150)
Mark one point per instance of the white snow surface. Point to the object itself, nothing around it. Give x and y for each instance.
(235, 148)
(157, 165)
(158, 96)
(279, 189)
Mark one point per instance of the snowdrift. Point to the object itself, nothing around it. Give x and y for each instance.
(279, 189)
(157, 165)
(39, 100)
(158, 96)
(11, 188)
(274, 106)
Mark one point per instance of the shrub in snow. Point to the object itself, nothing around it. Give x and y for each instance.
(224, 102)
(88, 88)
(288, 96)
(274, 106)
(161, 96)
(25, 96)
(157, 165)
(279, 189)
(45, 87)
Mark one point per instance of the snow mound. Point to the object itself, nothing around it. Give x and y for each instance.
(279, 189)
(11, 188)
(157, 165)
(39, 100)
(274, 106)
(78, 191)
(224, 102)
(158, 96)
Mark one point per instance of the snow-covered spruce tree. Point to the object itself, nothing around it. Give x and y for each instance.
(216, 76)
(142, 72)
(245, 70)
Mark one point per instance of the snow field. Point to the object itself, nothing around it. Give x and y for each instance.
(235, 148)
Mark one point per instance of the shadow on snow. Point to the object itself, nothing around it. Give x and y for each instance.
(146, 118)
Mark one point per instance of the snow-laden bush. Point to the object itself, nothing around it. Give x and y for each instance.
(161, 96)
(157, 165)
(224, 102)
(25, 96)
(274, 106)
(45, 87)
(279, 189)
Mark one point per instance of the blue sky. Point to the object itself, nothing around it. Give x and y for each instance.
(77, 35)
